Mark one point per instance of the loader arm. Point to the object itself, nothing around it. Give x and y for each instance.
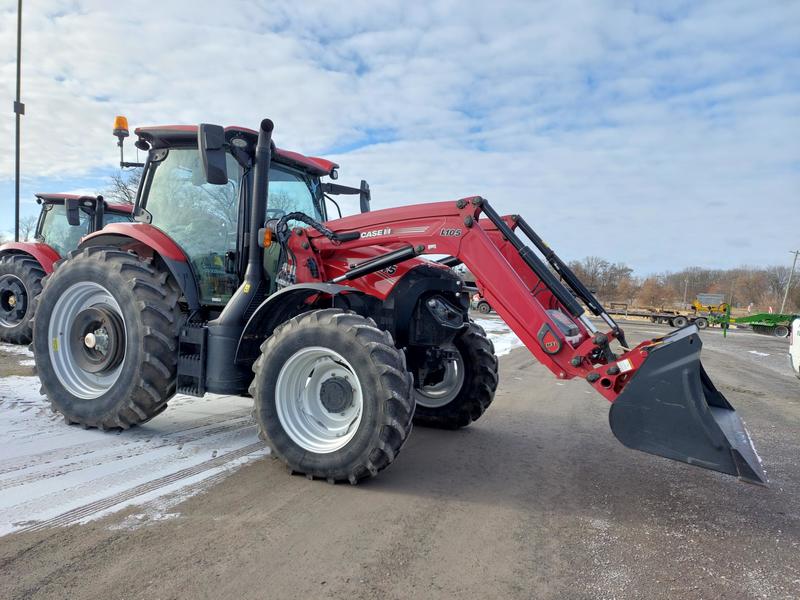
(517, 292)
(663, 402)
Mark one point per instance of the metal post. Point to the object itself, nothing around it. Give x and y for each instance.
(685, 290)
(789, 283)
(19, 110)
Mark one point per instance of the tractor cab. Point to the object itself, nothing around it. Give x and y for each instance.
(210, 221)
(66, 218)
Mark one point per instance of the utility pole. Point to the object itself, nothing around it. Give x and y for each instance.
(685, 289)
(19, 110)
(789, 283)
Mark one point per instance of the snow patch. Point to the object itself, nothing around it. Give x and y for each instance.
(502, 337)
(757, 353)
(54, 474)
(15, 349)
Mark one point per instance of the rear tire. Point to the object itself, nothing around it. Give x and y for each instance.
(106, 338)
(781, 331)
(484, 308)
(20, 283)
(477, 388)
(353, 428)
(701, 323)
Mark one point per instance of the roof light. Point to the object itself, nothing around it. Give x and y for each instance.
(121, 127)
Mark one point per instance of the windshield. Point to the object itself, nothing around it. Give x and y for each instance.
(58, 233)
(203, 218)
(199, 216)
(290, 192)
(112, 217)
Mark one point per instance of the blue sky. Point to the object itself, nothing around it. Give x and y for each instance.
(662, 134)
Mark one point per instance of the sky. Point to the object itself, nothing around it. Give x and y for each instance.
(659, 134)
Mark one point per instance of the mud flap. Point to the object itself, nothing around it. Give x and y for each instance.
(671, 408)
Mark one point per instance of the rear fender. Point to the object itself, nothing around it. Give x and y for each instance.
(290, 302)
(45, 255)
(149, 241)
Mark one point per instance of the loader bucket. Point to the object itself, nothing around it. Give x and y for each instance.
(671, 408)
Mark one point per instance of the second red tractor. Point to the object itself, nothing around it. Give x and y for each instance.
(63, 220)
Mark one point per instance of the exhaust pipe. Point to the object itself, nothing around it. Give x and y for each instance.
(224, 332)
(258, 208)
(671, 408)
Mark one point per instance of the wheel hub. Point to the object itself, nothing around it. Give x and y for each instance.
(336, 394)
(13, 300)
(98, 337)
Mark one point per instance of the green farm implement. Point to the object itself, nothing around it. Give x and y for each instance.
(767, 324)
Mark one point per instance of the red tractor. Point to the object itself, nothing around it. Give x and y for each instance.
(235, 281)
(63, 220)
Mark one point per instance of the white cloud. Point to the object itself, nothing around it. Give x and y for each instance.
(650, 136)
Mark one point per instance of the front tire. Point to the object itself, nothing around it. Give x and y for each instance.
(20, 282)
(333, 396)
(106, 338)
(472, 392)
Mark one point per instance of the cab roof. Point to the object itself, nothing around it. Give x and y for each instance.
(161, 136)
(120, 207)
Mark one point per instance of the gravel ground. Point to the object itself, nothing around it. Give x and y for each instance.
(535, 500)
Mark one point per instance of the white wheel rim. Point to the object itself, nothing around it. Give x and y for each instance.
(299, 405)
(75, 299)
(445, 391)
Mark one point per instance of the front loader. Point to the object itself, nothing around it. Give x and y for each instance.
(236, 282)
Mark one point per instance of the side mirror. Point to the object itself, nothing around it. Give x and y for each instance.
(73, 211)
(364, 196)
(210, 142)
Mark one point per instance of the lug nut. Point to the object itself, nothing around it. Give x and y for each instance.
(576, 361)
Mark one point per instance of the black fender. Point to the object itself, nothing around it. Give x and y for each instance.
(290, 302)
(174, 258)
(419, 282)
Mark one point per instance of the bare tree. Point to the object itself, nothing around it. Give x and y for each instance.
(27, 226)
(654, 292)
(123, 186)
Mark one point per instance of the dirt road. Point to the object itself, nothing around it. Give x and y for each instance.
(536, 500)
